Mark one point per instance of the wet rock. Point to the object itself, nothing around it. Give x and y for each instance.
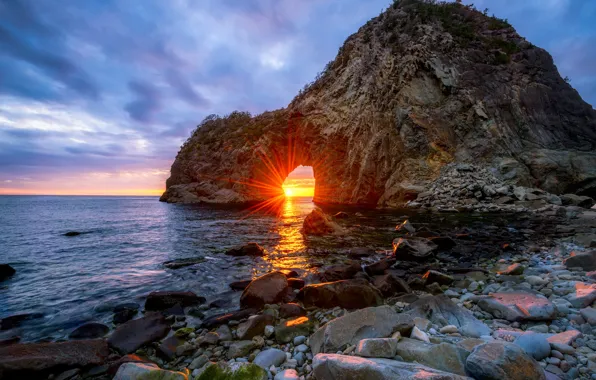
(241, 348)
(270, 357)
(372, 322)
(267, 289)
(289, 310)
(182, 263)
(341, 272)
(390, 285)
(348, 294)
(518, 306)
(6, 271)
(254, 326)
(220, 319)
(341, 215)
(406, 226)
(443, 356)
(286, 331)
(433, 276)
(140, 371)
(132, 335)
(534, 345)
(413, 249)
(89, 331)
(379, 267)
(442, 311)
(9, 341)
(125, 312)
(577, 200)
(377, 348)
(287, 374)
(317, 223)
(584, 260)
(333, 366)
(589, 314)
(167, 348)
(583, 295)
(28, 361)
(360, 252)
(512, 270)
(296, 283)
(443, 243)
(232, 371)
(16, 320)
(72, 233)
(240, 285)
(499, 361)
(158, 301)
(250, 249)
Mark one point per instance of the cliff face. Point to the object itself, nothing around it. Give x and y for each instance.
(416, 88)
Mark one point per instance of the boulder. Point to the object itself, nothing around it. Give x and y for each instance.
(333, 367)
(577, 200)
(159, 301)
(224, 318)
(241, 348)
(377, 348)
(433, 276)
(583, 296)
(589, 314)
(502, 361)
(584, 260)
(390, 285)
(347, 294)
(167, 348)
(443, 356)
(286, 331)
(32, 360)
(132, 335)
(296, 283)
(372, 322)
(232, 371)
(518, 306)
(317, 223)
(442, 311)
(6, 271)
(124, 313)
(534, 344)
(141, 371)
(272, 356)
(91, 330)
(267, 289)
(249, 249)
(512, 270)
(254, 326)
(565, 337)
(360, 252)
(341, 272)
(413, 249)
(289, 310)
(380, 266)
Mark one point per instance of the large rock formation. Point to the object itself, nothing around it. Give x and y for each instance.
(416, 88)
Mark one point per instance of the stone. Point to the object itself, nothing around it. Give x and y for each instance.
(158, 301)
(333, 367)
(577, 200)
(289, 310)
(341, 272)
(72, 233)
(13, 321)
(132, 335)
(443, 356)
(232, 371)
(68, 374)
(584, 295)
(249, 249)
(125, 312)
(296, 283)
(513, 270)
(443, 243)
(183, 263)
(360, 252)
(224, 333)
(584, 260)
(167, 348)
(24, 361)
(380, 266)
(449, 329)
(254, 326)
(6, 271)
(377, 348)
(91, 330)
(220, 319)
(347, 294)
(589, 314)
(390, 285)
(499, 360)
(413, 249)
(534, 344)
(566, 337)
(286, 331)
(287, 374)
(267, 289)
(318, 223)
(419, 335)
(518, 306)
(240, 348)
(270, 357)
(372, 322)
(240, 285)
(141, 371)
(433, 276)
(442, 311)
(198, 362)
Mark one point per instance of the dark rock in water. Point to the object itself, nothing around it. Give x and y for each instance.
(181, 263)
(16, 320)
(518, 306)
(240, 285)
(289, 310)
(176, 310)
(89, 331)
(6, 271)
(442, 311)
(317, 223)
(413, 249)
(348, 294)
(360, 252)
(341, 215)
(157, 301)
(219, 304)
(433, 276)
(36, 360)
(500, 360)
(391, 285)
(296, 283)
(132, 335)
(341, 272)
(254, 326)
(249, 249)
(125, 312)
(73, 233)
(380, 266)
(267, 289)
(289, 273)
(221, 319)
(443, 243)
(577, 200)
(584, 260)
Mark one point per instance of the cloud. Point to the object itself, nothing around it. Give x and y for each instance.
(147, 101)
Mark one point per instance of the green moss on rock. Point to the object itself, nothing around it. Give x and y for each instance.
(184, 332)
(245, 372)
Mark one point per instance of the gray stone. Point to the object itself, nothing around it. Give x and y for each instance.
(377, 348)
(534, 345)
(240, 348)
(589, 314)
(419, 335)
(443, 356)
(334, 367)
(139, 371)
(518, 306)
(254, 326)
(584, 260)
(269, 357)
(499, 360)
(198, 362)
(584, 295)
(372, 322)
(287, 374)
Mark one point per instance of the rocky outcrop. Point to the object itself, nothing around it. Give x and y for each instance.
(418, 87)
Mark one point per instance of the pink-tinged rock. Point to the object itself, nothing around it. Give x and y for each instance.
(583, 296)
(566, 337)
(518, 306)
(267, 289)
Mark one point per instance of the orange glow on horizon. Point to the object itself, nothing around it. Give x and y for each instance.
(291, 192)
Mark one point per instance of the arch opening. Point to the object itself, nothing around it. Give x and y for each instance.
(300, 183)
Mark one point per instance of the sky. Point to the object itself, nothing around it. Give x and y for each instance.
(96, 97)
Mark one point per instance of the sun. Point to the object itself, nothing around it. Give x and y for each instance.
(289, 192)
